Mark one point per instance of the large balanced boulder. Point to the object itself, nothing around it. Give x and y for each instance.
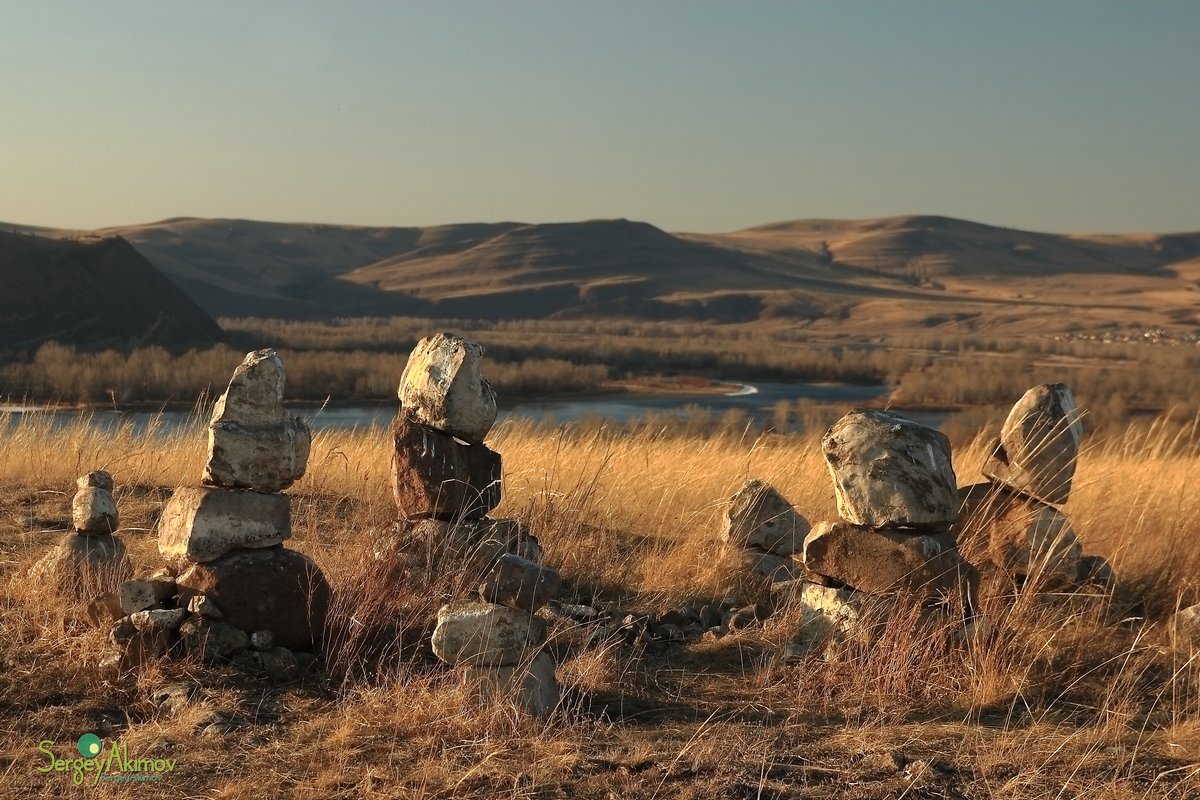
(436, 475)
(889, 471)
(275, 589)
(84, 566)
(253, 443)
(759, 516)
(483, 634)
(443, 387)
(200, 523)
(1039, 444)
(1023, 537)
(884, 562)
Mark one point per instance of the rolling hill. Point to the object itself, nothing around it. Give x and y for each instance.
(93, 293)
(859, 276)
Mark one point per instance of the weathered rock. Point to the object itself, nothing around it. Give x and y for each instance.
(98, 479)
(199, 604)
(158, 619)
(435, 475)
(84, 566)
(171, 698)
(266, 459)
(280, 664)
(104, 609)
(758, 516)
(1039, 444)
(815, 630)
(883, 562)
(255, 394)
(769, 565)
(1096, 570)
(889, 471)
(1023, 537)
(530, 687)
(93, 511)
(425, 548)
(144, 646)
(1185, 626)
(485, 635)
(200, 523)
(262, 640)
(443, 387)
(518, 583)
(280, 590)
(212, 641)
(844, 607)
(122, 632)
(137, 595)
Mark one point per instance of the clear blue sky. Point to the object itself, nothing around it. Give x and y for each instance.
(697, 116)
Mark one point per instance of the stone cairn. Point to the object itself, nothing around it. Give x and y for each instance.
(91, 558)
(446, 481)
(1016, 513)
(896, 494)
(763, 531)
(231, 590)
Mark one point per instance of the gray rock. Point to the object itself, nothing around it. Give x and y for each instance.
(483, 634)
(98, 479)
(1039, 444)
(882, 562)
(84, 566)
(776, 568)
(158, 619)
(1024, 537)
(122, 632)
(280, 664)
(173, 697)
(254, 396)
(104, 609)
(262, 640)
(1185, 626)
(443, 387)
(204, 606)
(144, 646)
(758, 516)
(262, 459)
(1096, 570)
(212, 641)
(814, 632)
(138, 595)
(844, 607)
(93, 511)
(201, 523)
(519, 583)
(530, 687)
(889, 471)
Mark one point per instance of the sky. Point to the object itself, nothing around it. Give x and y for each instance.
(1070, 116)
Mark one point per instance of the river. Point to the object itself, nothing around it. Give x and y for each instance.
(757, 401)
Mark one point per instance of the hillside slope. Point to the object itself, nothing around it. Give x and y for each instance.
(93, 293)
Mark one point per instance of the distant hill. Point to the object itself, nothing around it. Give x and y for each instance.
(855, 275)
(94, 293)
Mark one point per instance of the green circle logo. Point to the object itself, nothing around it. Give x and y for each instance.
(89, 745)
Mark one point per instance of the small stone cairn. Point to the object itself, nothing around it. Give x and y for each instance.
(445, 482)
(763, 531)
(232, 591)
(896, 494)
(1017, 511)
(91, 558)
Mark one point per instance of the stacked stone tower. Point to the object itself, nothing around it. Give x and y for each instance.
(91, 558)
(233, 591)
(1030, 470)
(446, 481)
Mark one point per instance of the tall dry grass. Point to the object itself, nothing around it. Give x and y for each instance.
(1071, 695)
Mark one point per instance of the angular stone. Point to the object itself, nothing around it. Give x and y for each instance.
(93, 510)
(280, 664)
(1095, 570)
(844, 607)
(520, 584)
(212, 641)
(1185, 626)
(199, 604)
(435, 475)
(262, 640)
(443, 387)
(143, 647)
(254, 397)
(158, 619)
(769, 565)
(532, 688)
(104, 609)
(435, 547)
(883, 562)
(1039, 444)
(759, 516)
(138, 595)
(201, 523)
(267, 459)
(84, 566)
(1029, 539)
(485, 635)
(813, 633)
(889, 471)
(98, 479)
(280, 590)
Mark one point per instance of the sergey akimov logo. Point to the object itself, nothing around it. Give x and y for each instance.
(95, 765)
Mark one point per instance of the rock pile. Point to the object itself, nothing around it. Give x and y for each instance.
(896, 494)
(91, 558)
(764, 530)
(233, 592)
(1016, 513)
(446, 481)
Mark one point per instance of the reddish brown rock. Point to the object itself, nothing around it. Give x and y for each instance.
(883, 561)
(435, 475)
(519, 583)
(280, 590)
(1021, 536)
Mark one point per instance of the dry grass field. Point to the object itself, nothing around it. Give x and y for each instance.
(1071, 696)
